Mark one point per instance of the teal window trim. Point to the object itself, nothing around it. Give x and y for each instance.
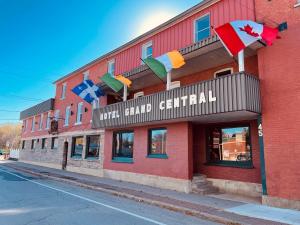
(90, 158)
(158, 156)
(77, 157)
(122, 160)
(243, 165)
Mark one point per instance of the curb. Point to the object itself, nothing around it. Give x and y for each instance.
(184, 210)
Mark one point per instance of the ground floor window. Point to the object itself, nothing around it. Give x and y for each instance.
(93, 146)
(23, 144)
(229, 145)
(77, 147)
(33, 143)
(123, 144)
(54, 143)
(44, 143)
(157, 142)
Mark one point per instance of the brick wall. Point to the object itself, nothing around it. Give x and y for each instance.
(279, 67)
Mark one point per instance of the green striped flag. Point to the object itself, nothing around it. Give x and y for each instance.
(111, 82)
(156, 66)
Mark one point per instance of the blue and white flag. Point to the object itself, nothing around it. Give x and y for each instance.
(88, 91)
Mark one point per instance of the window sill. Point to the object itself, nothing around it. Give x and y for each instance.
(76, 124)
(66, 125)
(158, 156)
(92, 159)
(297, 5)
(122, 160)
(231, 164)
(75, 157)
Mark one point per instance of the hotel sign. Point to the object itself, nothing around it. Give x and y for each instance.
(224, 94)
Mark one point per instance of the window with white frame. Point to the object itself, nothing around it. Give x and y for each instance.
(56, 115)
(48, 120)
(111, 67)
(32, 124)
(63, 91)
(67, 115)
(41, 121)
(79, 113)
(25, 125)
(223, 72)
(202, 28)
(86, 75)
(147, 50)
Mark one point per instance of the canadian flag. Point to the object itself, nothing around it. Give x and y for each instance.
(239, 34)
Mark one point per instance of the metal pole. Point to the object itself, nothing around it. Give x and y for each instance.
(169, 80)
(262, 156)
(125, 93)
(241, 59)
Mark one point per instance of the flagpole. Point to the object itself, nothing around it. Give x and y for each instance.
(125, 93)
(152, 71)
(169, 80)
(241, 59)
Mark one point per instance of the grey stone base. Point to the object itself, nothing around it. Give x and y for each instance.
(280, 202)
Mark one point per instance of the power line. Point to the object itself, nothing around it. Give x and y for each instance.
(5, 110)
(24, 97)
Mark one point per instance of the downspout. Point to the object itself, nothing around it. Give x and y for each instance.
(262, 156)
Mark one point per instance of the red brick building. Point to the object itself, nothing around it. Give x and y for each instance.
(205, 124)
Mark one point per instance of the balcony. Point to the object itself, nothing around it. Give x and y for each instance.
(228, 98)
(38, 109)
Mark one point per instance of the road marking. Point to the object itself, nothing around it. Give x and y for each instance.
(86, 199)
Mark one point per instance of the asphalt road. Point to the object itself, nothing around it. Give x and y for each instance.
(28, 200)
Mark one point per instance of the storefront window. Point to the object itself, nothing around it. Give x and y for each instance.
(77, 147)
(93, 146)
(54, 143)
(157, 142)
(44, 143)
(123, 144)
(229, 146)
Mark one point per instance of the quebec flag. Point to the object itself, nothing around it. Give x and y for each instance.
(88, 91)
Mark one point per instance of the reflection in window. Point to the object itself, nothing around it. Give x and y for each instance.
(54, 143)
(123, 144)
(93, 146)
(77, 147)
(157, 141)
(202, 28)
(229, 144)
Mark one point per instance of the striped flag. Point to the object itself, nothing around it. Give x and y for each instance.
(165, 63)
(239, 34)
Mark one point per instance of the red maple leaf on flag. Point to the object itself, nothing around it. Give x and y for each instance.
(249, 30)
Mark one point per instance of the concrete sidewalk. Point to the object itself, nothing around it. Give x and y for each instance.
(206, 207)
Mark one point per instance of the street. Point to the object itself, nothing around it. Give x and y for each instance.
(31, 200)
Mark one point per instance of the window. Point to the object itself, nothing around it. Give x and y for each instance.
(25, 125)
(111, 67)
(48, 120)
(23, 144)
(67, 115)
(41, 121)
(147, 50)
(86, 75)
(77, 147)
(229, 145)
(33, 143)
(33, 124)
(56, 115)
(79, 113)
(202, 28)
(44, 143)
(54, 143)
(157, 142)
(93, 146)
(223, 72)
(123, 144)
(63, 91)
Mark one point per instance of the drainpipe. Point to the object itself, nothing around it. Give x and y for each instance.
(241, 59)
(262, 156)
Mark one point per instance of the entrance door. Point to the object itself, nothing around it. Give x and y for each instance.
(65, 156)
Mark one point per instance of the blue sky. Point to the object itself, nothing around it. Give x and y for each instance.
(41, 41)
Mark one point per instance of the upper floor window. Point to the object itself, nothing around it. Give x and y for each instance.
(48, 120)
(202, 28)
(41, 121)
(86, 75)
(67, 115)
(223, 72)
(147, 50)
(63, 91)
(111, 67)
(56, 116)
(32, 124)
(25, 125)
(79, 113)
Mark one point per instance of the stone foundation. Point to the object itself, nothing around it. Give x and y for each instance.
(280, 202)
